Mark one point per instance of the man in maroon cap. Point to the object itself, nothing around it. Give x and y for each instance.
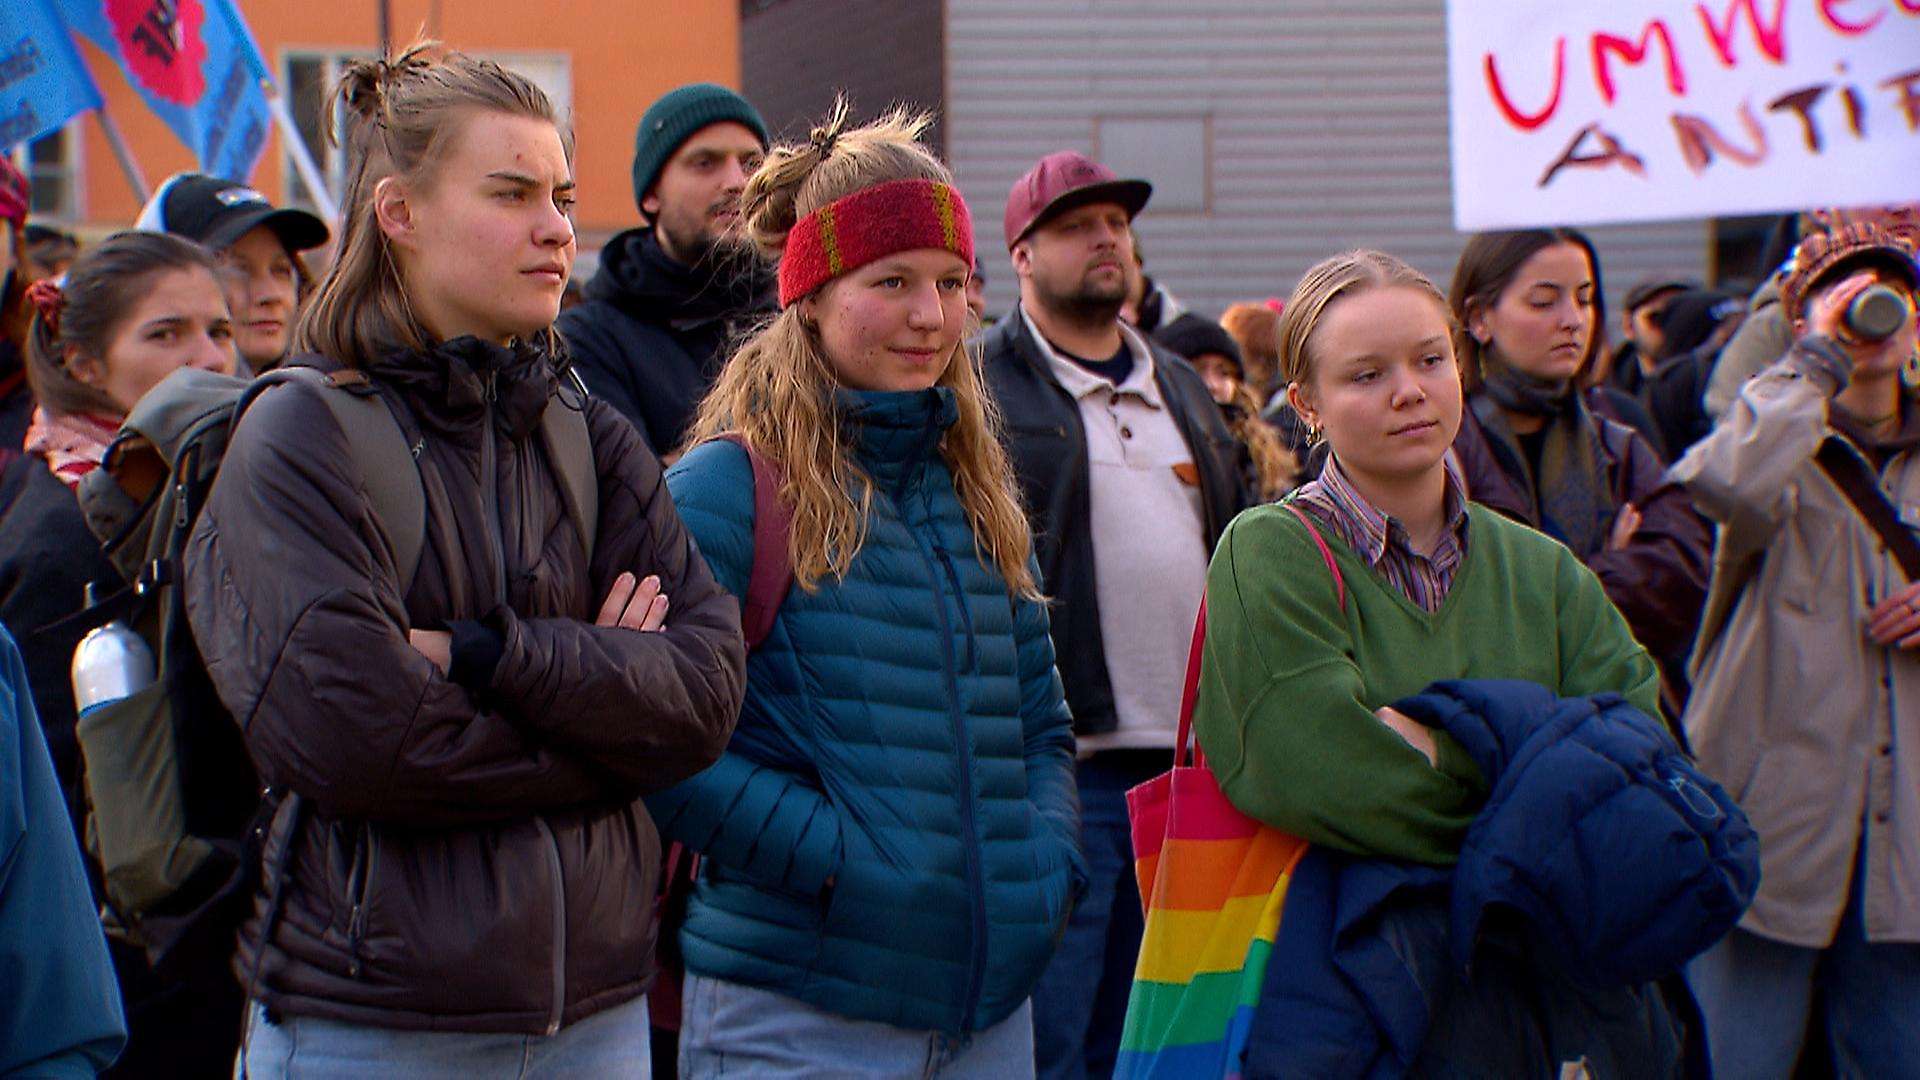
(16, 401)
(1129, 477)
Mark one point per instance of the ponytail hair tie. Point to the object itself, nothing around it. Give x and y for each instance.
(50, 300)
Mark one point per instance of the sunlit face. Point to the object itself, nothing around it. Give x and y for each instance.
(485, 249)
(1542, 323)
(696, 199)
(893, 324)
(258, 276)
(180, 320)
(1079, 260)
(1383, 386)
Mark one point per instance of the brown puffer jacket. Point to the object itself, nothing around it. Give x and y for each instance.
(455, 860)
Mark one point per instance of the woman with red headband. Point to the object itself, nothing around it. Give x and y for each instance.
(890, 841)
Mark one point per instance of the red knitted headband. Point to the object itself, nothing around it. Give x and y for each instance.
(872, 223)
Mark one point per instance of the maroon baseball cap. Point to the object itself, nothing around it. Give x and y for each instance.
(1065, 180)
(14, 195)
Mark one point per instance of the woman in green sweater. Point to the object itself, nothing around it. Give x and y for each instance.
(1294, 709)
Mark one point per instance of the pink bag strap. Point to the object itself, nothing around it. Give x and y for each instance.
(1339, 583)
(1184, 746)
(1183, 741)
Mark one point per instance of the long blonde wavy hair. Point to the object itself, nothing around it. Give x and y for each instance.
(776, 391)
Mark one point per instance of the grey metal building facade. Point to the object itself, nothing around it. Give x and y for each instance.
(1277, 132)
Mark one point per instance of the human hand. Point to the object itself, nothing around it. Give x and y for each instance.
(1417, 735)
(1624, 527)
(435, 645)
(1896, 620)
(1828, 313)
(635, 604)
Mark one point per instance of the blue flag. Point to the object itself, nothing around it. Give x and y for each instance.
(195, 64)
(43, 83)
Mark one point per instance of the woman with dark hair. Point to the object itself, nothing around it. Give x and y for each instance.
(133, 310)
(1267, 467)
(1531, 447)
(258, 248)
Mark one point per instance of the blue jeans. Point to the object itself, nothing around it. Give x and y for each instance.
(731, 1030)
(1080, 1003)
(610, 1043)
(1757, 996)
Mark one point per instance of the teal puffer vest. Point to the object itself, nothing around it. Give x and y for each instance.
(904, 737)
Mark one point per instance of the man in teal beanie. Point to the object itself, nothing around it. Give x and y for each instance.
(652, 331)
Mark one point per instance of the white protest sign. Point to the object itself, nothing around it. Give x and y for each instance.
(1574, 112)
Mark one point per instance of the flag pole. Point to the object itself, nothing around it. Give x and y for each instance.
(129, 167)
(303, 162)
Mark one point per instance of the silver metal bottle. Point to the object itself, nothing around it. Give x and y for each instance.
(110, 663)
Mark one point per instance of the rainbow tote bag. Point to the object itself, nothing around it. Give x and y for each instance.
(1213, 881)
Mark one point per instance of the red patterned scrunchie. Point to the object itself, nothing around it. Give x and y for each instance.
(872, 223)
(49, 300)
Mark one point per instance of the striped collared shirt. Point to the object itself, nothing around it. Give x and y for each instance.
(1383, 541)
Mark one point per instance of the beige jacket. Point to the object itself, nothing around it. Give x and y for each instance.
(1813, 728)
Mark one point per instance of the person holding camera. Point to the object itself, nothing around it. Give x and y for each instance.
(1806, 700)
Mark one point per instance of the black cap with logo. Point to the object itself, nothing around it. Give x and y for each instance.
(215, 212)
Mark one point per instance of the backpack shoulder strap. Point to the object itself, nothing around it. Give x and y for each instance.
(569, 447)
(1856, 481)
(772, 573)
(376, 443)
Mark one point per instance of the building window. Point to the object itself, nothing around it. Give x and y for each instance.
(1174, 153)
(53, 174)
(311, 76)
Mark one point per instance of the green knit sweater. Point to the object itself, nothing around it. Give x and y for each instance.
(1290, 680)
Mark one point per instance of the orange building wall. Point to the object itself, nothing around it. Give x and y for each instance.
(624, 53)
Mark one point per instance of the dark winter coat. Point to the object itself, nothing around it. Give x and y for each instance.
(16, 402)
(1049, 450)
(456, 859)
(47, 559)
(653, 333)
(1603, 861)
(1659, 579)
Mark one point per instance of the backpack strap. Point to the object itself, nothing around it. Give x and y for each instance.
(772, 573)
(376, 443)
(1856, 481)
(569, 447)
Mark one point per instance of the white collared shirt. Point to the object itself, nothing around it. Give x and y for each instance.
(1149, 541)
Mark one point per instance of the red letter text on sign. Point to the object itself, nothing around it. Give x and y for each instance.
(1771, 38)
(1844, 27)
(1524, 121)
(1634, 53)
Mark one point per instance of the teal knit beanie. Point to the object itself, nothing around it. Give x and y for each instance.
(675, 117)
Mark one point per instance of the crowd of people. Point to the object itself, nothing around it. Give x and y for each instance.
(744, 671)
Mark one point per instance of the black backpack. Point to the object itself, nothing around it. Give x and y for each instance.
(175, 810)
